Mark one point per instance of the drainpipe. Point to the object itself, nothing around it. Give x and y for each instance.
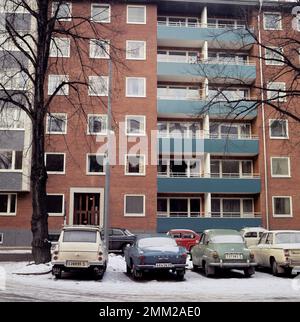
(263, 115)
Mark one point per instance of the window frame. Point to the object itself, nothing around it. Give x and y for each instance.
(135, 174)
(136, 6)
(88, 124)
(88, 173)
(57, 133)
(13, 162)
(282, 215)
(70, 10)
(107, 54)
(54, 214)
(56, 172)
(9, 213)
(127, 118)
(272, 13)
(135, 96)
(144, 205)
(144, 53)
(109, 12)
(96, 94)
(271, 90)
(60, 52)
(279, 137)
(270, 61)
(67, 87)
(289, 167)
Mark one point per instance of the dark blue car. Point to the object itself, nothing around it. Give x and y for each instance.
(155, 253)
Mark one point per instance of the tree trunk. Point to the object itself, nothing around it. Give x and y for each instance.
(39, 223)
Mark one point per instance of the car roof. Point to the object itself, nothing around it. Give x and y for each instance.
(182, 230)
(283, 231)
(221, 232)
(253, 229)
(81, 227)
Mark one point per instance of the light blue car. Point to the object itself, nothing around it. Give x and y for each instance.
(155, 253)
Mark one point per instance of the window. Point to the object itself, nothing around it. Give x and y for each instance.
(136, 14)
(64, 11)
(134, 205)
(55, 205)
(232, 208)
(8, 204)
(99, 48)
(11, 118)
(135, 164)
(276, 91)
(95, 164)
(57, 123)
(272, 21)
(55, 163)
(60, 47)
(135, 125)
(11, 160)
(101, 13)
(54, 81)
(98, 85)
(282, 206)
(135, 87)
(162, 206)
(1, 238)
(135, 49)
(280, 167)
(97, 124)
(178, 207)
(278, 129)
(274, 56)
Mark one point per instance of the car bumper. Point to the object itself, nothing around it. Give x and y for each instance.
(154, 267)
(233, 265)
(89, 265)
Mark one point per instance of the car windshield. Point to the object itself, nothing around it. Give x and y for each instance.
(288, 238)
(128, 233)
(157, 242)
(227, 239)
(80, 236)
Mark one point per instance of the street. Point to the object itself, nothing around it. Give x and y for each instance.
(117, 286)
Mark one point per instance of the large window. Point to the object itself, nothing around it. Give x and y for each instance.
(282, 206)
(97, 124)
(232, 207)
(135, 125)
(134, 205)
(57, 123)
(135, 164)
(55, 204)
(231, 168)
(11, 118)
(98, 85)
(179, 168)
(272, 21)
(95, 164)
(136, 14)
(62, 10)
(230, 130)
(55, 82)
(278, 129)
(280, 167)
(11, 160)
(60, 47)
(135, 87)
(55, 163)
(101, 13)
(178, 207)
(179, 129)
(136, 49)
(99, 48)
(8, 204)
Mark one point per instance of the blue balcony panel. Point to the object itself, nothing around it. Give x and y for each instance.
(214, 146)
(245, 110)
(218, 73)
(216, 37)
(213, 185)
(200, 224)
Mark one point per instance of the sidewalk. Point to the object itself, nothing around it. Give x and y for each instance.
(15, 254)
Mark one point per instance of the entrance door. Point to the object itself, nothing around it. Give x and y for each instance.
(86, 209)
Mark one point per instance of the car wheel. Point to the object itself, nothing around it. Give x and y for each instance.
(195, 267)
(180, 275)
(274, 267)
(128, 269)
(57, 272)
(249, 271)
(209, 271)
(136, 273)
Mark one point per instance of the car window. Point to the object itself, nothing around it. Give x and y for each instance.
(203, 239)
(269, 240)
(118, 232)
(260, 234)
(227, 239)
(288, 238)
(263, 239)
(251, 234)
(188, 236)
(176, 235)
(79, 236)
(156, 242)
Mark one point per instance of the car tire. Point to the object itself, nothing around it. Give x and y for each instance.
(57, 273)
(137, 275)
(209, 271)
(128, 269)
(195, 267)
(180, 275)
(274, 267)
(249, 271)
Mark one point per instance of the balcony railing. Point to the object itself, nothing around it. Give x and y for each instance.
(187, 24)
(233, 136)
(202, 135)
(209, 215)
(209, 175)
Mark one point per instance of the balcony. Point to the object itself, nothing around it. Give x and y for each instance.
(206, 183)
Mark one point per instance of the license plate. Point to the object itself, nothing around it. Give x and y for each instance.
(233, 256)
(163, 265)
(76, 264)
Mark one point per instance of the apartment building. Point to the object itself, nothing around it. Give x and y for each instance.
(216, 164)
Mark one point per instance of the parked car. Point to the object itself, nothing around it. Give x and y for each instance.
(185, 238)
(119, 238)
(252, 235)
(279, 250)
(80, 248)
(155, 253)
(222, 249)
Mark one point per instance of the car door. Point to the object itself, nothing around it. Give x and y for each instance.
(259, 249)
(201, 249)
(267, 250)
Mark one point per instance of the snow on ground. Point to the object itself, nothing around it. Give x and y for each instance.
(15, 251)
(32, 269)
(117, 286)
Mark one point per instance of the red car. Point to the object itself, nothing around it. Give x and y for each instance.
(185, 238)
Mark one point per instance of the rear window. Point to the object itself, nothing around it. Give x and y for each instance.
(288, 238)
(79, 236)
(227, 239)
(188, 236)
(251, 234)
(156, 242)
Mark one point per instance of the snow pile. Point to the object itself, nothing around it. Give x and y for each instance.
(15, 251)
(33, 269)
(116, 263)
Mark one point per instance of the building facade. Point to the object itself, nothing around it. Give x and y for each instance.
(192, 150)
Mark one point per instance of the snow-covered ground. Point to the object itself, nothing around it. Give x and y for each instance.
(117, 286)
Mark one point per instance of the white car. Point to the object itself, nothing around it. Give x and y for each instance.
(252, 235)
(80, 248)
(279, 250)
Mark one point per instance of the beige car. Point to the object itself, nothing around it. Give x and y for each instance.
(80, 248)
(279, 250)
(252, 235)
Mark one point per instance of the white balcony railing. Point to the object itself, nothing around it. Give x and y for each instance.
(170, 174)
(209, 215)
(187, 24)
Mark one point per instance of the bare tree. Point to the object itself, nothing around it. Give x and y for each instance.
(29, 31)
